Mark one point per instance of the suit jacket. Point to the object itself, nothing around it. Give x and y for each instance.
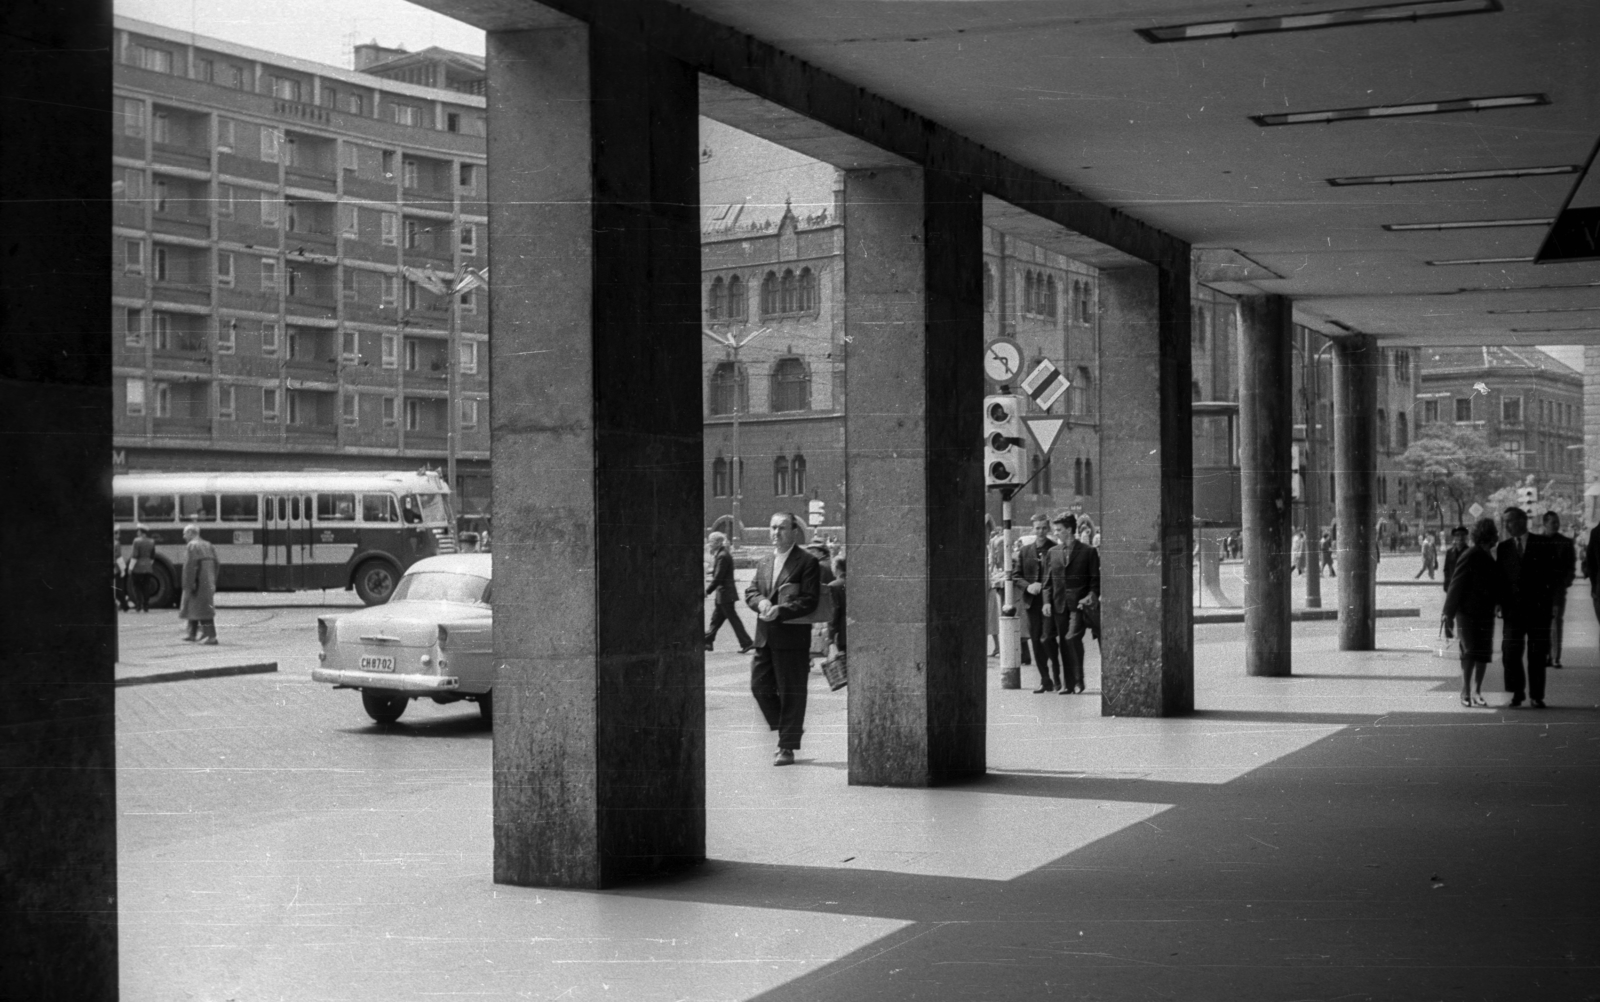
(1566, 562)
(1478, 586)
(1591, 560)
(722, 578)
(1073, 572)
(803, 572)
(1531, 576)
(1452, 555)
(1029, 569)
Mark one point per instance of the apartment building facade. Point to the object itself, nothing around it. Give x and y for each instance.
(287, 241)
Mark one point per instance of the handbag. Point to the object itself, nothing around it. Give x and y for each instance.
(1441, 646)
(835, 671)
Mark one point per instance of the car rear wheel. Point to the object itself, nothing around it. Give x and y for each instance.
(384, 707)
(486, 707)
(164, 592)
(375, 581)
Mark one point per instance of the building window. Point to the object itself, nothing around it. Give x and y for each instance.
(1511, 409)
(1077, 476)
(132, 185)
(717, 299)
(413, 415)
(730, 389)
(270, 138)
(388, 412)
(780, 476)
(358, 104)
(469, 240)
(411, 356)
(161, 330)
(133, 257)
(406, 114)
(225, 269)
(1088, 478)
(411, 295)
(791, 386)
(135, 393)
(719, 477)
(350, 408)
(269, 274)
(352, 220)
(387, 223)
(224, 200)
(347, 284)
(1051, 305)
(468, 175)
(988, 287)
(160, 128)
(204, 70)
(452, 122)
(1082, 393)
(160, 259)
(386, 290)
(349, 158)
(1027, 292)
(738, 303)
(1430, 411)
(797, 475)
(269, 339)
(132, 117)
(225, 402)
(1383, 429)
(469, 415)
(786, 292)
(271, 210)
(350, 346)
(769, 294)
(1402, 430)
(469, 356)
(162, 393)
(408, 173)
(1402, 366)
(133, 329)
(413, 234)
(1463, 408)
(231, 75)
(227, 336)
(1194, 390)
(225, 135)
(161, 194)
(284, 88)
(808, 291)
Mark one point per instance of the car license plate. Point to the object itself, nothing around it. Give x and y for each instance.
(373, 662)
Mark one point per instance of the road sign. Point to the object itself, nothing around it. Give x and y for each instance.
(1044, 429)
(1002, 360)
(1045, 384)
(1476, 511)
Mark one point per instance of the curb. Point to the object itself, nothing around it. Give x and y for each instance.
(1303, 615)
(187, 674)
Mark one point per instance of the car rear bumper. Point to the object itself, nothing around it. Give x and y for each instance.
(385, 680)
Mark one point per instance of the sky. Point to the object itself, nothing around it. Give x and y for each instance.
(321, 30)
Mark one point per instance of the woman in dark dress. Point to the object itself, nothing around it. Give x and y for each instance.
(1477, 587)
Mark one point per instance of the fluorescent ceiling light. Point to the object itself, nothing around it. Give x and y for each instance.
(1200, 30)
(1551, 330)
(1551, 309)
(1467, 224)
(1400, 110)
(1455, 175)
(1485, 260)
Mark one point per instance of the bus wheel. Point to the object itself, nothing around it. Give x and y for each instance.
(164, 594)
(375, 581)
(384, 707)
(486, 707)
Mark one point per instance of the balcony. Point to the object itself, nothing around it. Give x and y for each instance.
(181, 292)
(173, 155)
(237, 166)
(181, 224)
(181, 427)
(369, 188)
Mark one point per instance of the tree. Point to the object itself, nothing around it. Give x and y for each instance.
(1456, 466)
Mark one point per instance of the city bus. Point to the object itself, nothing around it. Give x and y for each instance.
(289, 531)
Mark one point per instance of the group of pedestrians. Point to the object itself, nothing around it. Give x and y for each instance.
(1058, 577)
(1525, 577)
(134, 580)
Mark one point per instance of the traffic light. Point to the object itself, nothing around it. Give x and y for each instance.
(1527, 496)
(816, 512)
(1002, 440)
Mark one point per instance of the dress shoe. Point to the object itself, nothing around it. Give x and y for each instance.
(209, 642)
(1556, 666)
(1516, 700)
(1044, 688)
(1478, 700)
(190, 640)
(785, 756)
(1466, 700)
(747, 648)
(708, 648)
(1538, 704)
(1065, 690)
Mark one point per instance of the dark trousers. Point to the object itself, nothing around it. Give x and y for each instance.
(1558, 618)
(140, 585)
(1042, 638)
(119, 589)
(778, 680)
(1526, 629)
(202, 628)
(1068, 628)
(724, 611)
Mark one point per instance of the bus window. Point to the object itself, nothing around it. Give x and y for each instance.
(294, 508)
(378, 508)
(408, 509)
(336, 507)
(241, 508)
(156, 508)
(122, 509)
(197, 507)
(435, 508)
(283, 509)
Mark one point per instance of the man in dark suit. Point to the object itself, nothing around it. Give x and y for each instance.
(721, 586)
(1028, 577)
(1566, 569)
(1452, 556)
(1591, 567)
(787, 586)
(1072, 574)
(1530, 566)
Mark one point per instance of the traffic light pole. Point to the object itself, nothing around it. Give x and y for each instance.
(1010, 625)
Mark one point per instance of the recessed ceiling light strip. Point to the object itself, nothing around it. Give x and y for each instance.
(1455, 175)
(1484, 260)
(1552, 330)
(1201, 30)
(1400, 110)
(1551, 309)
(1466, 224)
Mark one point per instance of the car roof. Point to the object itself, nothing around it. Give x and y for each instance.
(478, 564)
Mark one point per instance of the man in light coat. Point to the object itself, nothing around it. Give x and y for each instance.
(199, 587)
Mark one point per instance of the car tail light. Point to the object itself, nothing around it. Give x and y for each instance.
(444, 636)
(324, 631)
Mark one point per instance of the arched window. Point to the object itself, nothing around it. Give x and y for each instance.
(719, 477)
(729, 389)
(780, 476)
(1088, 478)
(1072, 303)
(786, 292)
(791, 386)
(1194, 390)
(738, 305)
(1027, 292)
(769, 294)
(1402, 430)
(1077, 476)
(717, 305)
(1197, 324)
(1383, 429)
(1087, 302)
(1050, 295)
(1081, 392)
(988, 287)
(808, 290)
(797, 475)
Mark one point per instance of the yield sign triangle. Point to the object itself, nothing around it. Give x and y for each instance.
(1044, 429)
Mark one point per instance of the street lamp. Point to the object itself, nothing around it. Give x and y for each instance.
(736, 467)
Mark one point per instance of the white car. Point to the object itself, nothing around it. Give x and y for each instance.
(433, 638)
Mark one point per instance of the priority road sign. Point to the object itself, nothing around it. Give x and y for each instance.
(1045, 384)
(1044, 429)
(1476, 511)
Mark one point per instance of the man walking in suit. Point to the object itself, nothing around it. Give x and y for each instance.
(1591, 567)
(1028, 575)
(1566, 568)
(1529, 563)
(1072, 572)
(721, 586)
(787, 586)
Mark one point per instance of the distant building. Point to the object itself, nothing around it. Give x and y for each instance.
(272, 216)
(1533, 410)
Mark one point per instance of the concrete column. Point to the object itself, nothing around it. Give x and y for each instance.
(1266, 433)
(1355, 407)
(599, 743)
(914, 457)
(1146, 494)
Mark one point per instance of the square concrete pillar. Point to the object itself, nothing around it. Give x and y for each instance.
(1356, 361)
(913, 437)
(1146, 494)
(599, 743)
(1266, 440)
